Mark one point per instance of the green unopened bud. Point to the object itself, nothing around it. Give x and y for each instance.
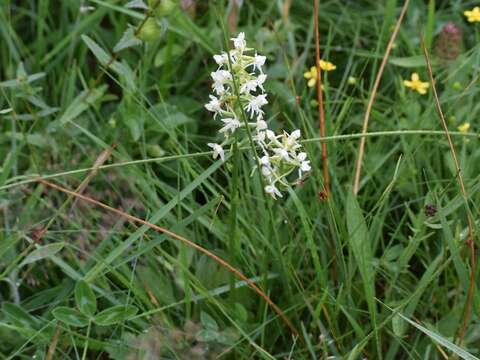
(163, 7)
(457, 85)
(112, 122)
(149, 31)
(155, 150)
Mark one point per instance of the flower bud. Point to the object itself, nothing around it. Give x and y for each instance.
(150, 30)
(163, 7)
(449, 42)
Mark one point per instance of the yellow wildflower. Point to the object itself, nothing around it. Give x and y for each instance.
(417, 85)
(327, 66)
(473, 15)
(312, 75)
(464, 127)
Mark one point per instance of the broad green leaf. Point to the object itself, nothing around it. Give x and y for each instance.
(408, 62)
(115, 315)
(208, 322)
(42, 252)
(18, 316)
(70, 316)
(85, 298)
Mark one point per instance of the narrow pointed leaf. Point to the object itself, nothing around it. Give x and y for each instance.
(70, 316)
(115, 315)
(441, 340)
(85, 298)
(128, 40)
(42, 252)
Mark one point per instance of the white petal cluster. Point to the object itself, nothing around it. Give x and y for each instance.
(238, 91)
(281, 156)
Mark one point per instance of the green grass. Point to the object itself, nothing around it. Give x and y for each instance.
(372, 276)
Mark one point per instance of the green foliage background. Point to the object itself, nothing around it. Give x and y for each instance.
(367, 277)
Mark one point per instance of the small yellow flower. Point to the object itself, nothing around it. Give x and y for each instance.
(464, 127)
(312, 75)
(327, 66)
(417, 85)
(351, 80)
(473, 15)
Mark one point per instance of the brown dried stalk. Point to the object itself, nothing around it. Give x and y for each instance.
(473, 260)
(361, 149)
(321, 111)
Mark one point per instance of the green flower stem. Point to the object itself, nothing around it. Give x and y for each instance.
(85, 347)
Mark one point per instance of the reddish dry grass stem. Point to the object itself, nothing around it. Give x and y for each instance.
(187, 242)
(361, 148)
(321, 111)
(470, 241)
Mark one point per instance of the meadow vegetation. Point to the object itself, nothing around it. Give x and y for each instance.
(203, 179)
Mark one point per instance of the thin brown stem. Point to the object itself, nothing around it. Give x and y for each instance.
(104, 156)
(470, 243)
(321, 111)
(54, 342)
(189, 243)
(361, 149)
